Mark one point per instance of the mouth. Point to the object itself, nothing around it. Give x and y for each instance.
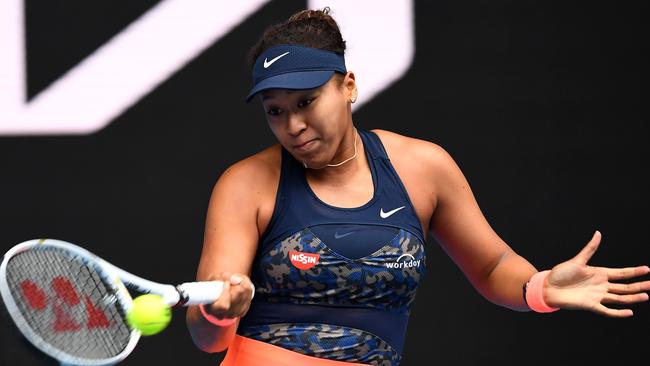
(304, 146)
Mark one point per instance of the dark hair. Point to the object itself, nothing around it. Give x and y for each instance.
(309, 28)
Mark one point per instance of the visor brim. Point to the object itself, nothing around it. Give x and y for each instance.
(294, 80)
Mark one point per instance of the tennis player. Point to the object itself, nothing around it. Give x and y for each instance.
(330, 226)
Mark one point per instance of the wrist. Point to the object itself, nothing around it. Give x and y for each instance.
(534, 293)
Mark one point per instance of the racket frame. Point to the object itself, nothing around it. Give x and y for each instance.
(117, 280)
(109, 277)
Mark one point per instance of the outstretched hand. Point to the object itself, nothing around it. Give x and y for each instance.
(575, 285)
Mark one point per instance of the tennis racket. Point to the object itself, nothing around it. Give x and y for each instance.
(72, 305)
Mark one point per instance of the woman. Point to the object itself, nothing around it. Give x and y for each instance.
(330, 225)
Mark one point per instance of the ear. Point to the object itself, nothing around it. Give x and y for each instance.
(350, 87)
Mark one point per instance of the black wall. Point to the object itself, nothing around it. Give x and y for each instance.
(542, 104)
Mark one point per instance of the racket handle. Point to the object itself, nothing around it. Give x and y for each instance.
(194, 293)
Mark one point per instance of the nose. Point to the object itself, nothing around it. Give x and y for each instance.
(295, 123)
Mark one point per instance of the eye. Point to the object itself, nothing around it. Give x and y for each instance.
(305, 102)
(272, 111)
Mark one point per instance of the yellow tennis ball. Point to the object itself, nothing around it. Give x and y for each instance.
(149, 314)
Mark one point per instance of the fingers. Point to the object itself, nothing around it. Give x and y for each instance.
(627, 273)
(241, 295)
(235, 279)
(632, 288)
(624, 299)
(614, 313)
(588, 251)
(221, 306)
(235, 298)
(625, 294)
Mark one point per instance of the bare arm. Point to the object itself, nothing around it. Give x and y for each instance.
(499, 274)
(458, 224)
(230, 242)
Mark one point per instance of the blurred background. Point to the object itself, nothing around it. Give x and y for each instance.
(543, 104)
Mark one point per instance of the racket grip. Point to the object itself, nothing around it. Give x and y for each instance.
(195, 293)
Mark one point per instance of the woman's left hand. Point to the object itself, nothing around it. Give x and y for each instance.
(575, 285)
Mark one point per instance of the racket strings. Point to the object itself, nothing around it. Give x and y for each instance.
(67, 305)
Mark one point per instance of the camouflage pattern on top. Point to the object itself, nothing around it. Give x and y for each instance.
(378, 280)
(327, 341)
(385, 280)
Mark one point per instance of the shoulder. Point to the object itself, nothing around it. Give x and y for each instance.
(263, 164)
(423, 167)
(420, 154)
(254, 174)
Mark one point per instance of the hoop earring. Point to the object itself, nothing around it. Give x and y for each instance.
(352, 100)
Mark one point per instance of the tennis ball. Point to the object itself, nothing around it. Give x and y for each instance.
(149, 314)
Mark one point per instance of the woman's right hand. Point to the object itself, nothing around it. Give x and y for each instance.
(235, 298)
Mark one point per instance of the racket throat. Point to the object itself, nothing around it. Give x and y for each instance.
(183, 296)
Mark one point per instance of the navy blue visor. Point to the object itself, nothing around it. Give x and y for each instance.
(294, 67)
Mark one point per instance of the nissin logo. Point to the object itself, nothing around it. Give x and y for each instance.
(408, 262)
(303, 260)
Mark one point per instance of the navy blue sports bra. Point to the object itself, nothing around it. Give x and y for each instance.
(334, 282)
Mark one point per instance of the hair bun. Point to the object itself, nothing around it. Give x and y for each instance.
(308, 28)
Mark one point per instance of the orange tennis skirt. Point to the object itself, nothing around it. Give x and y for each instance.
(249, 352)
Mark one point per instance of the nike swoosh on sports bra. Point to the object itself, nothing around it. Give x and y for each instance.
(334, 282)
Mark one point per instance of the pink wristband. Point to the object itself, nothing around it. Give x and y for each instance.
(534, 293)
(216, 321)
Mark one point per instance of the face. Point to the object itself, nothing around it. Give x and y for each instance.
(311, 123)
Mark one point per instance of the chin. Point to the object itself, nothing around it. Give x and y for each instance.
(312, 159)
